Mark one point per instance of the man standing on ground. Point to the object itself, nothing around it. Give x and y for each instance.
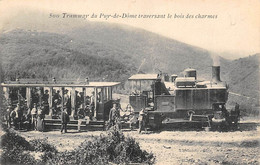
(34, 116)
(17, 117)
(81, 116)
(141, 118)
(8, 117)
(113, 116)
(237, 109)
(237, 113)
(40, 119)
(64, 120)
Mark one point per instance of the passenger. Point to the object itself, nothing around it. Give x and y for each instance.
(92, 105)
(28, 120)
(99, 97)
(237, 110)
(45, 97)
(224, 112)
(34, 116)
(132, 120)
(8, 116)
(35, 96)
(64, 120)
(224, 125)
(236, 117)
(81, 116)
(40, 119)
(66, 98)
(92, 98)
(66, 101)
(114, 115)
(17, 117)
(25, 121)
(45, 102)
(81, 94)
(142, 119)
(56, 108)
(56, 96)
(78, 101)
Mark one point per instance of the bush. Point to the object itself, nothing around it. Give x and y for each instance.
(11, 140)
(130, 151)
(113, 147)
(15, 150)
(42, 145)
(17, 156)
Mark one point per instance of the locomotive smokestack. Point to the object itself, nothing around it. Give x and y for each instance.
(216, 74)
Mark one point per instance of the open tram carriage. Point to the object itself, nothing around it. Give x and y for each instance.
(173, 100)
(89, 101)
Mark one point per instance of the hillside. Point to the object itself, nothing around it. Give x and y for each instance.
(242, 75)
(138, 49)
(39, 54)
(113, 52)
(149, 51)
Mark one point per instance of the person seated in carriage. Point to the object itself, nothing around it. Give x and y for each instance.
(81, 116)
(45, 102)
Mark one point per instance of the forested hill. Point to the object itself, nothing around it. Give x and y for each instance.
(45, 55)
(135, 49)
(149, 51)
(242, 75)
(113, 52)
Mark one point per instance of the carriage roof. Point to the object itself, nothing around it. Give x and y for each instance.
(143, 77)
(70, 83)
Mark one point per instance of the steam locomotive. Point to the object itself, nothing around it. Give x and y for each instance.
(173, 99)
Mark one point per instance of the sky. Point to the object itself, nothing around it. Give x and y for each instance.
(234, 31)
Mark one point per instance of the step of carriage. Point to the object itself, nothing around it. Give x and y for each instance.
(57, 126)
(99, 122)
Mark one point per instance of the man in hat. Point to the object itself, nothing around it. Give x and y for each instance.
(17, 117)
(64, 120)
(57, 96)
(237, 110)
(237, 114)
(40, 119)
(45, 97)
(66, 97)
(114, 115)
(81, 116)
(45, 101)
(34, 116)
(8, 116)
(92, 104)
(141, 119)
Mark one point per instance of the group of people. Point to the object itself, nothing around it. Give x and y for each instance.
(114, 119)
(18, 118)
(33, 118)
(88, 109)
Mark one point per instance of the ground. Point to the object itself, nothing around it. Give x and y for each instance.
(177, 147)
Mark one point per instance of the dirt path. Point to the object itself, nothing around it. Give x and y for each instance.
(176, 147)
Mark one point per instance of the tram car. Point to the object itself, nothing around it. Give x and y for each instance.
(172, 99)
(89, 101)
